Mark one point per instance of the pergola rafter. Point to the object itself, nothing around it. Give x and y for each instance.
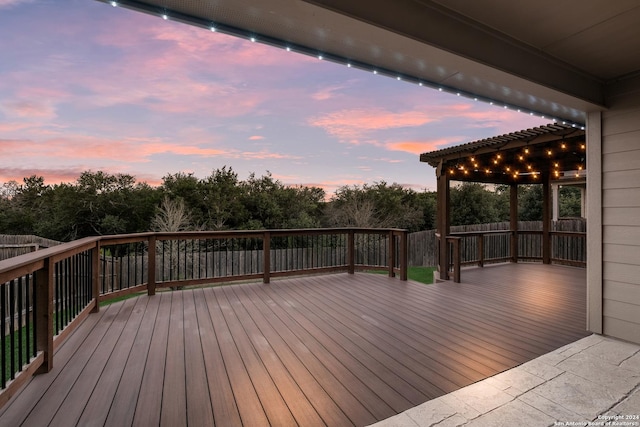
(542, 155)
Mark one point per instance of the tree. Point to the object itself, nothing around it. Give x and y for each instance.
(472, 203)
(172, 216)
(375, 206)
(530, 202)
(570, 201)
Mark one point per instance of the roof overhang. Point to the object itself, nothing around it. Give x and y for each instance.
(419, 41)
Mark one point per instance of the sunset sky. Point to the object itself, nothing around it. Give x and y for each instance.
(86, 86)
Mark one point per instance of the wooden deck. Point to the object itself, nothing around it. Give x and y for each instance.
(330, 350)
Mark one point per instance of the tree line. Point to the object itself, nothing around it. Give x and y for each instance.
(100, 203)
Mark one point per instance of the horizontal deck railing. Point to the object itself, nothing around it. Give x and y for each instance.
(483, 247)
(44, 295)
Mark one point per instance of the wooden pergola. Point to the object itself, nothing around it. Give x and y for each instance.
(542, 155)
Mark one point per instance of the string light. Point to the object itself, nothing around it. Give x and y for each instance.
(164, 16)
(114, 4)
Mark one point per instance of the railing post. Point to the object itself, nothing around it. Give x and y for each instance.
(44, 315)
(456, 260)
(513, 222)
(481, 250)
(546, 220)
(266, 257)
(404, 254)
(151, 266)
(95, 277)
(351, 251)
(391, 259)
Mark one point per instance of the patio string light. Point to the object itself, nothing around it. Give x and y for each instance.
(521, 165)
(290, 47)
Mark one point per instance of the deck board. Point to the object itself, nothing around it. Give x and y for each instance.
(318, 350)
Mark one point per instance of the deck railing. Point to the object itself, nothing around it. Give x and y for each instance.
(493, 246)
(44, 295)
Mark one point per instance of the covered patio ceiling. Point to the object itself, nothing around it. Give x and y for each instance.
(557, 152)
(543, 57)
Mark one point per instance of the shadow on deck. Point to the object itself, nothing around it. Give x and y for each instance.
(322, 350)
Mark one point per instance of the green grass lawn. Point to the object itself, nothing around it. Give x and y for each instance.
(417, 274)
(421, 274)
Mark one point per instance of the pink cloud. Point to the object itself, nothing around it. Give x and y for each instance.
(351, 125)
(264, 155)
(9, 3)
(51, 176)
(30, 109)
(328, 92)
(419, 147)
(86, 147)
(354, 125)
(256, 138)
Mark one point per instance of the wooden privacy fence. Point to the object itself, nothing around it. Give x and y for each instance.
(487, 243)
(44, 295)
(15, 245)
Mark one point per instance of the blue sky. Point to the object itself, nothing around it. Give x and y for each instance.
(86, 86)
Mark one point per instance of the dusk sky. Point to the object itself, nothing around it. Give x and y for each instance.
(86, 86)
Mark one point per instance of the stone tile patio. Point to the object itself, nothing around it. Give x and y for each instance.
(594, 381)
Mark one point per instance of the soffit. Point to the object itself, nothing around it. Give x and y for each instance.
(599, 37)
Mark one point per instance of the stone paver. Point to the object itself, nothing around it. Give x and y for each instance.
(632, 363)
(613, 351)
(541, 369)
(512, 414)
(579, 395)
(553, 409)
(600, 371)
(594, 377)
(482, 396)
(431, 412)
(517, 381)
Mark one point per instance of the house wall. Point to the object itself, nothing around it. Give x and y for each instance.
(621, 212)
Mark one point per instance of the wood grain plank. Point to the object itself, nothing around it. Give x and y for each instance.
(295, 399)
(150, 397)
(342, 399)
(274, 405)
(19, 407)
(199, 410)
(123, 408)
(97, 408)
(69, 394)
(174, 395)
(225, 410)
(275, 332)
(249, 405)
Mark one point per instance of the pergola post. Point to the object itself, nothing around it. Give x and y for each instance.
(546, 219)
(443, 221)
(513, 218)
(555, 190)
